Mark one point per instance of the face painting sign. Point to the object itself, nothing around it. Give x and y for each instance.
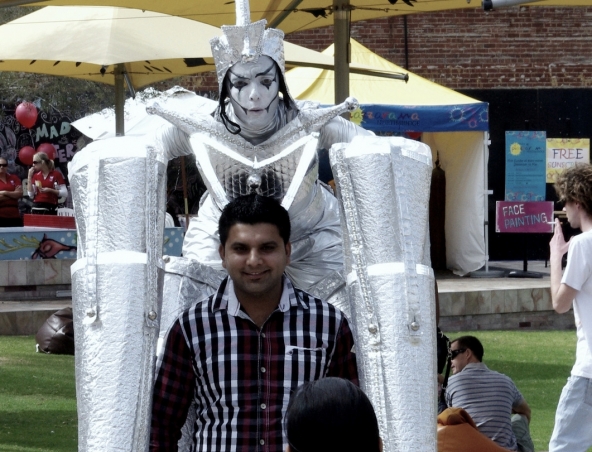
(521, 217)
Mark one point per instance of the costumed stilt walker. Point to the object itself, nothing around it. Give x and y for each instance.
(258, 139)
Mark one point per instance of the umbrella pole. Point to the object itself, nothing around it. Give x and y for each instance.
(119, 100)
(341, 30)
(184, 179)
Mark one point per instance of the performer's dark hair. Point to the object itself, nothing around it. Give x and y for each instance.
(254, 209)
(232, 126)
(575, 185)
(331, 414)
(472, 343)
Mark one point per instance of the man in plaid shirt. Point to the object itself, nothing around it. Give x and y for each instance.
(241, 353)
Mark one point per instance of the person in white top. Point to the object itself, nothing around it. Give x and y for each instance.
(572, 432)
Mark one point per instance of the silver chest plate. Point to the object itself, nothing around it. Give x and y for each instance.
(286, 174)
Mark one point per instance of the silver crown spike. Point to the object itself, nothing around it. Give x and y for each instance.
(243, 12)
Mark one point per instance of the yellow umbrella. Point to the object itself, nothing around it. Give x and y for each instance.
(298, 15)
(288, 15)
(88, 42)
(317, 84)
(108, 44)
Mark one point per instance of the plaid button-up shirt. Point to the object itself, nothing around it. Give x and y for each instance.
(241, 376)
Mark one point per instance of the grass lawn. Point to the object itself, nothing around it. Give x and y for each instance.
(38, 401)
(539, 362)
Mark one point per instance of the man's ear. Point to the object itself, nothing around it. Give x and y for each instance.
(222, 254)
(288, 251)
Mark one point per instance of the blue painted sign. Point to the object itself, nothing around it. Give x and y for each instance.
(525, 165)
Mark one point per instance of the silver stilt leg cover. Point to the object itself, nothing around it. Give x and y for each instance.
(384, 187)
(118, 187)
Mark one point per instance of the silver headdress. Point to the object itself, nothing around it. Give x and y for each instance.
(245, 42)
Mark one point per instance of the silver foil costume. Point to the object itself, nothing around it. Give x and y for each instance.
(384, 188)
(124, 290)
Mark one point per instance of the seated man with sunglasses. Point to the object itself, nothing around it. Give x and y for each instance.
(489, 397)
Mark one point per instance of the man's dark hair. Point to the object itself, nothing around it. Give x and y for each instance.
(331, 414)
(254, 209)
(575, 185)
(472, 343)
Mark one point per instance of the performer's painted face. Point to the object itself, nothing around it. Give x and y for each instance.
(254, 91)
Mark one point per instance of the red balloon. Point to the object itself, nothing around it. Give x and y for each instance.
(26, 114)
(26, 155)
(48, 149)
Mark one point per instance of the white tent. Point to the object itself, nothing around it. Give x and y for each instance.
(451, 123)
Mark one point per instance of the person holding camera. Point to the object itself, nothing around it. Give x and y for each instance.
(573, 287)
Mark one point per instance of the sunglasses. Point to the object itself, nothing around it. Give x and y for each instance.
(455, 353)
(3, 165)
(36, 162)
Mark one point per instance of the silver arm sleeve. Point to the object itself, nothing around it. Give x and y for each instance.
(339, 130)
(172, 141)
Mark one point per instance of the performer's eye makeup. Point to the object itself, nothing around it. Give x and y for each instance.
(238, 84)
(267, 82)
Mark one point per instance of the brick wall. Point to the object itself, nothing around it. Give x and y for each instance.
(519, 47)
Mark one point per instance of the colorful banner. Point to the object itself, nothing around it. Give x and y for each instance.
(532, 217)
(51, 127)
(563, 153)
(525, 165)
(39, 243)
(439, 118)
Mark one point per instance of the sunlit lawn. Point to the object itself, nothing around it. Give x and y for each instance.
(37, 399)
(539, 362)
(38, 402)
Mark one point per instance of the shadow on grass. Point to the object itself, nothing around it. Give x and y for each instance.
(36, 431)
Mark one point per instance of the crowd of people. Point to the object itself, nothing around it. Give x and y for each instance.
(45, 187)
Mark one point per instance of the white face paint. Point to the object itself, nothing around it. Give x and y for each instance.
(253, 90)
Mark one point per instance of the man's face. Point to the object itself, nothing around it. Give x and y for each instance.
(459, 357)
(572, 211)
(255, 257)
(254, 91)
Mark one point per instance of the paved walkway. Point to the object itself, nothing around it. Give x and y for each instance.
(22, 317)
(447, 282)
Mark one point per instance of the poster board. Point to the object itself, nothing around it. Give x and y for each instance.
(525, 165)
(563, 153)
